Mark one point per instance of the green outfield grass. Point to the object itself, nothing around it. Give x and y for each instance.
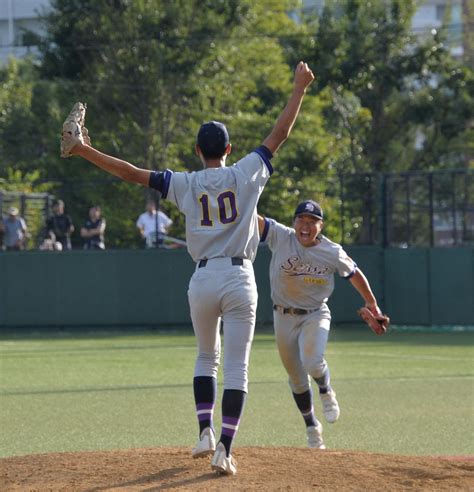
(406, 393)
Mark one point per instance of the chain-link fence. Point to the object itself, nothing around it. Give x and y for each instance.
(429, 209)
(399, 210)
(417, 209)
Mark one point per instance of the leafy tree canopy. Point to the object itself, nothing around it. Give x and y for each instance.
(152, 71)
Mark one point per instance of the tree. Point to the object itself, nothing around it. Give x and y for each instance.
(405, 86)
(399, 102)
(153, 71)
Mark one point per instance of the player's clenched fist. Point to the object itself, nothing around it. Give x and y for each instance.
(303, 75)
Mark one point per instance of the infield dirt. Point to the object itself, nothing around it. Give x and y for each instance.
(279, 468)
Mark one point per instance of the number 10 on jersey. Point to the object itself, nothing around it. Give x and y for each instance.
(225, 212)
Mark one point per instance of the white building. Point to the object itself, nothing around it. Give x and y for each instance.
(16, 16)
(432, 14)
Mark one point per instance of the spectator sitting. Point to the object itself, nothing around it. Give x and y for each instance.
(59, 226)
(151, 221)
(93, 230)
(15, 230)
(50, 245)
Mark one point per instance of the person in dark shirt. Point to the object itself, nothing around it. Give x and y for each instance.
(59, 226)
(93, 230)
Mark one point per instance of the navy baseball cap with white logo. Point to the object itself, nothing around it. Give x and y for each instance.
(309, 207)
(213, 139)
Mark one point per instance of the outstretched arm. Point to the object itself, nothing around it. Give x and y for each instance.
(377, 321)
(282, 129)
(117, 167)
(361, 284)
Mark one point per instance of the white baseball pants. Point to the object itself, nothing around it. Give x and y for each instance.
(224, 291)
(302, 341)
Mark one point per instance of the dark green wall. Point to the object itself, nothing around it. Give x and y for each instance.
(149, 288)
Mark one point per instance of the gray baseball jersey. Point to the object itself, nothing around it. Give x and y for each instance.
(303, 277)
(220, 206)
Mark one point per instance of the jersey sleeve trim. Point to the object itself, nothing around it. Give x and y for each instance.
(160, 180)
(352, 273)
(266, 227)
(266, 155)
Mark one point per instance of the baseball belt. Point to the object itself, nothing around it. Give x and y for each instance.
(284, 310)
(235, 261)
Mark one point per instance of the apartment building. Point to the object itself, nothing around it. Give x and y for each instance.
(17, 16)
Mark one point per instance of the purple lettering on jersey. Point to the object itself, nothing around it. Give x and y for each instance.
(295, 266)
(206, 220)
(227, 198)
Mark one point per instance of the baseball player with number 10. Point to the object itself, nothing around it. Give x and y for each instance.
(302, 272)
(222, 237)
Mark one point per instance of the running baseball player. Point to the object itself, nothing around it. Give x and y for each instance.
(219, 204)
(302, 272)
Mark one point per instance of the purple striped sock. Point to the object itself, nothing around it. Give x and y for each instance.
(230, 426)
(205, 411)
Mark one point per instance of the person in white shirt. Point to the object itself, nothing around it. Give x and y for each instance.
(151, 221)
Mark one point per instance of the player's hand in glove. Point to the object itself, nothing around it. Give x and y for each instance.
(377, 321)
(74, 132)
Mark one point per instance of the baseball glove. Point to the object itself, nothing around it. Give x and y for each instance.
(74, 130)
(377, 321)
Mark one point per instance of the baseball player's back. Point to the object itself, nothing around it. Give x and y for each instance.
(222, 237)
(220, 206)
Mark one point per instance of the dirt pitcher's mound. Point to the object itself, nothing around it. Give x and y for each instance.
(282, 468)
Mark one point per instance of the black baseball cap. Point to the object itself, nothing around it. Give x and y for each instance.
(213, 139)
(309, 207)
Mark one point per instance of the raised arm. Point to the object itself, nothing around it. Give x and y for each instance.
(117, 167)
(282, 129)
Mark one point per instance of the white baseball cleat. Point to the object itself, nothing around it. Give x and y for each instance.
(74, 131)
(206, 444)
(330, 406)
(222, 464)
(315, 436)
